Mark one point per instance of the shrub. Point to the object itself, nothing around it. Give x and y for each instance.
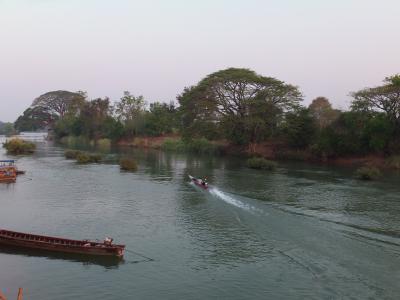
(368, 173)
(261, 163)
(394, 162)
(173, 145)
(85, 158)
(128, 164)
(201, 146)
(95, 158)
(71, 154)
(103, 144)
(198, 146)
(18, 146)
(75, 141)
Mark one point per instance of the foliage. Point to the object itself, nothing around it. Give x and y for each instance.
(384, 98)
(6, 128)
(60, 103)
(300, 128)
(368, 173)
(261, 163)
(394, 162)
(130, 112)
(34, 118)
(343, 137)
(75, 141)
(197, 115)
(322, 112)
(198, 146)
(160, 119)
(128, 164)
(242, 105)
(18, 146)
(85, 158)
(71, 154)
(103, 144)
(173, 145)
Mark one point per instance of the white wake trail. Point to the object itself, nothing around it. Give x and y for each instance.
(232, 201)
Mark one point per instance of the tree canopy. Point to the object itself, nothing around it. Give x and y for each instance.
(242, 104)
(60, 102)
(384, 98)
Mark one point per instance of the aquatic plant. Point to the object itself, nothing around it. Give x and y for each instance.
(128, 164)
(71, 154)
(261, 163)
(86, 158)
(18, 146)
(368, 173)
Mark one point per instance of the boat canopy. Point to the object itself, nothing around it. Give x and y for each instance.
(7, 161)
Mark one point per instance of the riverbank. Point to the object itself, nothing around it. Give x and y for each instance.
(272, 150)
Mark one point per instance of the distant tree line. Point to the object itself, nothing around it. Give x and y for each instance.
(6, 128)
(236, 105)
(73, 114)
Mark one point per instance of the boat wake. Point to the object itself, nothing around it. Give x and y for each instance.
(232, 201)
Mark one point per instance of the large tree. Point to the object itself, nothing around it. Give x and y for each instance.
(385, 98)
(60, 102)
(322, 111)
(246, 105)
(130, 111)
(34, 118)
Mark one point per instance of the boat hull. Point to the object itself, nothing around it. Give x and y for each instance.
(23, 240)
(197, 183)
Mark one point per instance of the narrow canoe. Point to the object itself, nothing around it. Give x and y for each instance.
(200, 183)
(26, 240)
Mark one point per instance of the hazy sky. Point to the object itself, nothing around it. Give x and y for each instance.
(157, 47)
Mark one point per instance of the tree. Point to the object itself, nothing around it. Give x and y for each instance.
(60, 102)
(130, 111)
(6, 128)
(322, 111)
(161, 118)
(197, 114)
(93, 117)
(34, 118)
(239, 99)
(384, 98)
(300, 128)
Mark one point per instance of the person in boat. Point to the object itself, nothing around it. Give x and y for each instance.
(108, 241)
(204, 182)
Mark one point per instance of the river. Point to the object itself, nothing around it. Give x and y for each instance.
(300, 232)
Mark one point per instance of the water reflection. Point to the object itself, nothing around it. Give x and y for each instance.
(106, 262)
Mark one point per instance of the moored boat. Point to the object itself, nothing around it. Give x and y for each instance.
(26, 240)
(199, 182)
(8, 171)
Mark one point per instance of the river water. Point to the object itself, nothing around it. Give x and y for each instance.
(301, 232)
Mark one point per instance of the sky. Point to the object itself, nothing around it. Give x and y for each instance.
(155, 48)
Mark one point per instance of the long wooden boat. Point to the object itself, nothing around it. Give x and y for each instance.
(199, 182)
(26, 240)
